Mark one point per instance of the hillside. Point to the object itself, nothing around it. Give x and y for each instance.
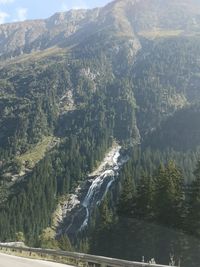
(127, 18)
(88, 100)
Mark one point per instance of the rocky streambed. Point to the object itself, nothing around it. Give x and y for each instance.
(75, 212)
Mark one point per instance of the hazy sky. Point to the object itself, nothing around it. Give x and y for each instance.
(19, 10)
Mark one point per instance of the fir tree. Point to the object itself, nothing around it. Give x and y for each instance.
(193, 218)
(127, 199)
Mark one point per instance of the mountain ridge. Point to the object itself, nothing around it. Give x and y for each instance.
(79, 82)
(126, 18)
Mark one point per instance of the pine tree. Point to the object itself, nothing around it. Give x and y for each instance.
(127, 200)
(102, 230)
(64, 243)
(193, 218)
(169, 196)
(144, 199)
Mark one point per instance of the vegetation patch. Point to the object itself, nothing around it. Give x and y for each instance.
(35, 154)
(160, 33)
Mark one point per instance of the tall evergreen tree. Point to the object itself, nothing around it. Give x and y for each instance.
(193, 218)
(169, 196)
(144, 199)
(127, 199)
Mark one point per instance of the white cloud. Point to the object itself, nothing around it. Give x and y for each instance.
(3, 17)
(6, 1)
(22, 14)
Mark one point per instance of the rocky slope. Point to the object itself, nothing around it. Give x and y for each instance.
(122, 17)
(91, 78)
(76, 211)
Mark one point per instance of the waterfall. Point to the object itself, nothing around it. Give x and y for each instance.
(80, 205)
(104, 175)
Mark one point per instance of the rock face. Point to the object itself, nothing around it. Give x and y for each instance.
(77, 209)
(26, 37)
(90, 67)
(121, 17)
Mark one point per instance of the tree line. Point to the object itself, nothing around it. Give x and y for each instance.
(156, 217)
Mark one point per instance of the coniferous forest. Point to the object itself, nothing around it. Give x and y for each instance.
(117, 76)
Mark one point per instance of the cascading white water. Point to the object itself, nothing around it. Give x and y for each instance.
(77, 210)
(107, 171)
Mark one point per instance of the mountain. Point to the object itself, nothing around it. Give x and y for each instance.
(186, 135)
(90, 99)
(128, 18)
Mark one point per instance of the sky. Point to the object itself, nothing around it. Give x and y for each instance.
(20, 10)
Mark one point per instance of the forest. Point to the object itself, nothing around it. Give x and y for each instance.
(86, 99)
(156, 217)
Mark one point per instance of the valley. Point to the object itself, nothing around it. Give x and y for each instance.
(99, 140)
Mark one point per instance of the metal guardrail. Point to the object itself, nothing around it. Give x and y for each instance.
(90, 260)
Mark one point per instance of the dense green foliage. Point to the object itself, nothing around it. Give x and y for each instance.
(166, 78)
(29, 108)
(87, 97)
(156, 217)
(103, 112)
(179, 132)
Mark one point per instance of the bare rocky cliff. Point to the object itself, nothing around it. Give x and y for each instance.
(124, 18)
